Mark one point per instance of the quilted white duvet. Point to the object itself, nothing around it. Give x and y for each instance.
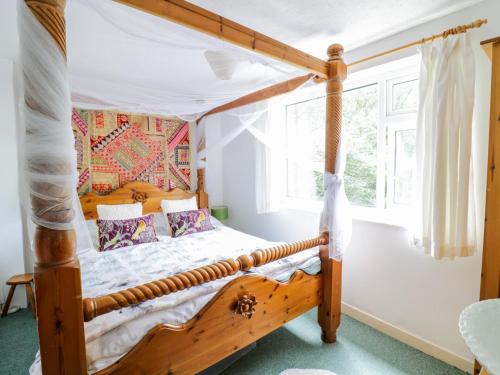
(110, 336)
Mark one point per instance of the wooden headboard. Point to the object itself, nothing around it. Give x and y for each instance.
(149, 195)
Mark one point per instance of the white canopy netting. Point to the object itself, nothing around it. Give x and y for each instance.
(120, 57)
(124, 59)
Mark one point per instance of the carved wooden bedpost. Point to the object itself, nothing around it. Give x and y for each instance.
(57, 271)
(200, 190)
(329, 310)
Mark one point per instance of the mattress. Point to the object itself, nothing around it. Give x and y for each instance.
(110, 336)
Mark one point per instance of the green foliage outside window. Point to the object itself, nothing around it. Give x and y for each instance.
(360, 123)
(360, 120)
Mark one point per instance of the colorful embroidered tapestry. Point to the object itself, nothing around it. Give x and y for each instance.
(115, 148)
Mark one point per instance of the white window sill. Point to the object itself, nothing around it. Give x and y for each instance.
(395, 218)
(305, 205)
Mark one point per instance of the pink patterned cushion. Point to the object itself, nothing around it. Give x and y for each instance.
(114, 234)
(187, 222)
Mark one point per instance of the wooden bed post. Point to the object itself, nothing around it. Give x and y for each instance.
(200, 189)
(329, 310)
(57, 271)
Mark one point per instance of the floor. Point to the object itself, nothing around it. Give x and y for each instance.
(18, 342)
(359, 350)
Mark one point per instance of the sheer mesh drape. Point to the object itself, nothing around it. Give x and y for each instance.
(122, 58)
(265, 121)
(140, 64)
(48, 158)
(446, 220)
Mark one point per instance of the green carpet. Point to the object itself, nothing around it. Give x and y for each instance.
(18, 342)
(359, 350)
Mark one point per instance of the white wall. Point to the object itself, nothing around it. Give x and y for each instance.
(214, 161)
(8, 30)
(11, 249)
(383, 275)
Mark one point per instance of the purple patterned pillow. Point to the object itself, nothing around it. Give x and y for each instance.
(187, 222)
(120, 233)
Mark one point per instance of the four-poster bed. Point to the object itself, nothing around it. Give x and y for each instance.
(245, 309)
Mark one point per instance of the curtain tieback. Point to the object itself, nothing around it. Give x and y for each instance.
(336, 218)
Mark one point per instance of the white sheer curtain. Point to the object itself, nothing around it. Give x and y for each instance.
(270, 163)
(241, 118)
(263, 168)
(446, 220)
(266, 122)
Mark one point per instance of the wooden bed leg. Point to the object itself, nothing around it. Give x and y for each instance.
(329, 310)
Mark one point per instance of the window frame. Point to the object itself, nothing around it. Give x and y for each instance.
(395, 121)
(386, 211)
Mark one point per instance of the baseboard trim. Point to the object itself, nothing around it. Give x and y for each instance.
(408, 338)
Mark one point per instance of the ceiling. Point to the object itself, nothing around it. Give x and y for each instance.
(313, 25)
(310, 25)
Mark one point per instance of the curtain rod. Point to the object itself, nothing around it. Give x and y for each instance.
(455, 30)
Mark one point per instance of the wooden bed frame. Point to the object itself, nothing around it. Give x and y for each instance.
(136, 192)
(249, 306)
(246, 309)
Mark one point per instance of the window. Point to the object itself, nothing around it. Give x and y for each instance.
(360, 121)
(379, 118)
(305, 136)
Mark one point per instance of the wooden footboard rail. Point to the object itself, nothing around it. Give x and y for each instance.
(93, 307)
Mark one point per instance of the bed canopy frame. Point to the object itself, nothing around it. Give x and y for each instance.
(223, 326)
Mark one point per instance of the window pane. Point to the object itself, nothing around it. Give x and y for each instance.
(305, 144)
(360, 123)
(404, 96)
(404, 166)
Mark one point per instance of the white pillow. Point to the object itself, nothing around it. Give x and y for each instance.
(119, 211)
(177, 205)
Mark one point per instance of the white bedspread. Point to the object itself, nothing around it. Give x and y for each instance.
(110, 336)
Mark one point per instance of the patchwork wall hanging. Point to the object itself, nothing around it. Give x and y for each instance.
(114, 148)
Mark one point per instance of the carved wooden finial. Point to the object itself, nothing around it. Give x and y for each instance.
(201, 178)
(335, 51)
(478, 23)
(139, 196)
(337, 70)
(463, 28)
